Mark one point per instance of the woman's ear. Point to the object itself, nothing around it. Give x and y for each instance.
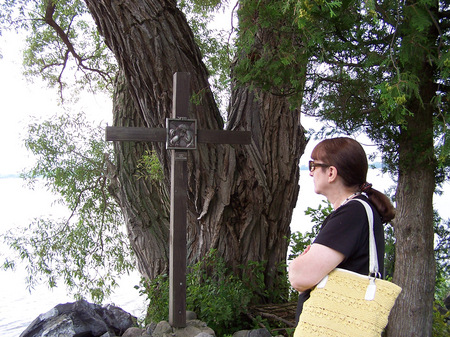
(332, 174)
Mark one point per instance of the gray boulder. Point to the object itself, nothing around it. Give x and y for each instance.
(193, 328)
(136, 332)
(253, 333)
(80, 318)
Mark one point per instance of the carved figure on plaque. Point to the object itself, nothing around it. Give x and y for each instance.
(181, 134)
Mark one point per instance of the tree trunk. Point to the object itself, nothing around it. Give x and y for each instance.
(240, 198)
(415, 263)
(144, 202)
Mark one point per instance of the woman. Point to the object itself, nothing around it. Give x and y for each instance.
(339, 169)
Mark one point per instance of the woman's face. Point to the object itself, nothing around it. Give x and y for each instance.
(320, 176)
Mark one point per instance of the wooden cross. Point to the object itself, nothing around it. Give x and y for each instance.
(180, 135)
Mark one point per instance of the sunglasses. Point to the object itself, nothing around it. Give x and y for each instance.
(313, 165)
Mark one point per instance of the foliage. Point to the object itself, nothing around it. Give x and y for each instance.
(61, 35)
(65, 49)
(441, 319)
(149, 167)
(381, 68)
(87, 250)
(62, 40)
(272, 54)
(213, 293)
(442, 245)
(389, 255)
(441, 326)
(157, 292)
(216, 295)
(368, 71)
(252, 276)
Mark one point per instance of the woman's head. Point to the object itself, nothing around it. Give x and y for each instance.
(347, 156)
(350, 160)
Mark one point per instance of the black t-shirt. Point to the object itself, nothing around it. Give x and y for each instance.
(347, 230)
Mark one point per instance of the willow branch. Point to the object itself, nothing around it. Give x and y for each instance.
(50, 10)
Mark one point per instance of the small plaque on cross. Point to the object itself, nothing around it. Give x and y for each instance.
(181, 134)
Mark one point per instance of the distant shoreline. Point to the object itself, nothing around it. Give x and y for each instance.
(9, 176)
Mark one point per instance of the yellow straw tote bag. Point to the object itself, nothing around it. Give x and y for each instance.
(349, 304)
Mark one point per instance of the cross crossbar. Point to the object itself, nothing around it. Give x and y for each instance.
(139, 134)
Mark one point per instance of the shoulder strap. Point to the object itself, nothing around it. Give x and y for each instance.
(373, 257)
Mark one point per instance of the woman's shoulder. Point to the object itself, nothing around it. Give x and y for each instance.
(356, 209)
(366, 199)
(352, 206)
(356, 201)
(353, 212)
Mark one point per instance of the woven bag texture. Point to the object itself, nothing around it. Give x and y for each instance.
(339, 309)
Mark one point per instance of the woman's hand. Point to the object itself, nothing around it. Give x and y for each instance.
(306, 250)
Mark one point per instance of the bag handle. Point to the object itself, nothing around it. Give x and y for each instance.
(373, 257)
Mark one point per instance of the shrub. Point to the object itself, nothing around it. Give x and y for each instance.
(217, 296)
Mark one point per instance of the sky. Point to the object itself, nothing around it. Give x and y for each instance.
(22, 101)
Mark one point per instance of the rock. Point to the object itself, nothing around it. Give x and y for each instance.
(80, 318)
(117, 318)
(136, 332)
(106, 334)
(253, 333)
(193, 328)
(162, 328)
(241, 333)
(150, 328)
(91, 320)
(203, 334)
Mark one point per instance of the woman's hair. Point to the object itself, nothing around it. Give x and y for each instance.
(350, 160)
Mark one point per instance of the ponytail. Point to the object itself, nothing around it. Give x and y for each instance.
(380, 201)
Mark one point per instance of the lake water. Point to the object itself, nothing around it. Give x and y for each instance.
(19, 205)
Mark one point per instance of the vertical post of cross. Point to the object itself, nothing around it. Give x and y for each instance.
(178, 210)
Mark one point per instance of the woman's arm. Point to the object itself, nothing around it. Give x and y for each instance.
(308, 269)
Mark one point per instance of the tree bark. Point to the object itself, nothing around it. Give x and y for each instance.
(240, 198)
(415, 269)
(144, 202)
(414, 263)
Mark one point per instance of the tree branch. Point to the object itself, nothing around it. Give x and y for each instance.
(50, 10)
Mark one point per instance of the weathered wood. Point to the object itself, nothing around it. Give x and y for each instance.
(181, 91)
(177, 258)
(224, 137)
(159, 135)
(178, 210)
(135, 134)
